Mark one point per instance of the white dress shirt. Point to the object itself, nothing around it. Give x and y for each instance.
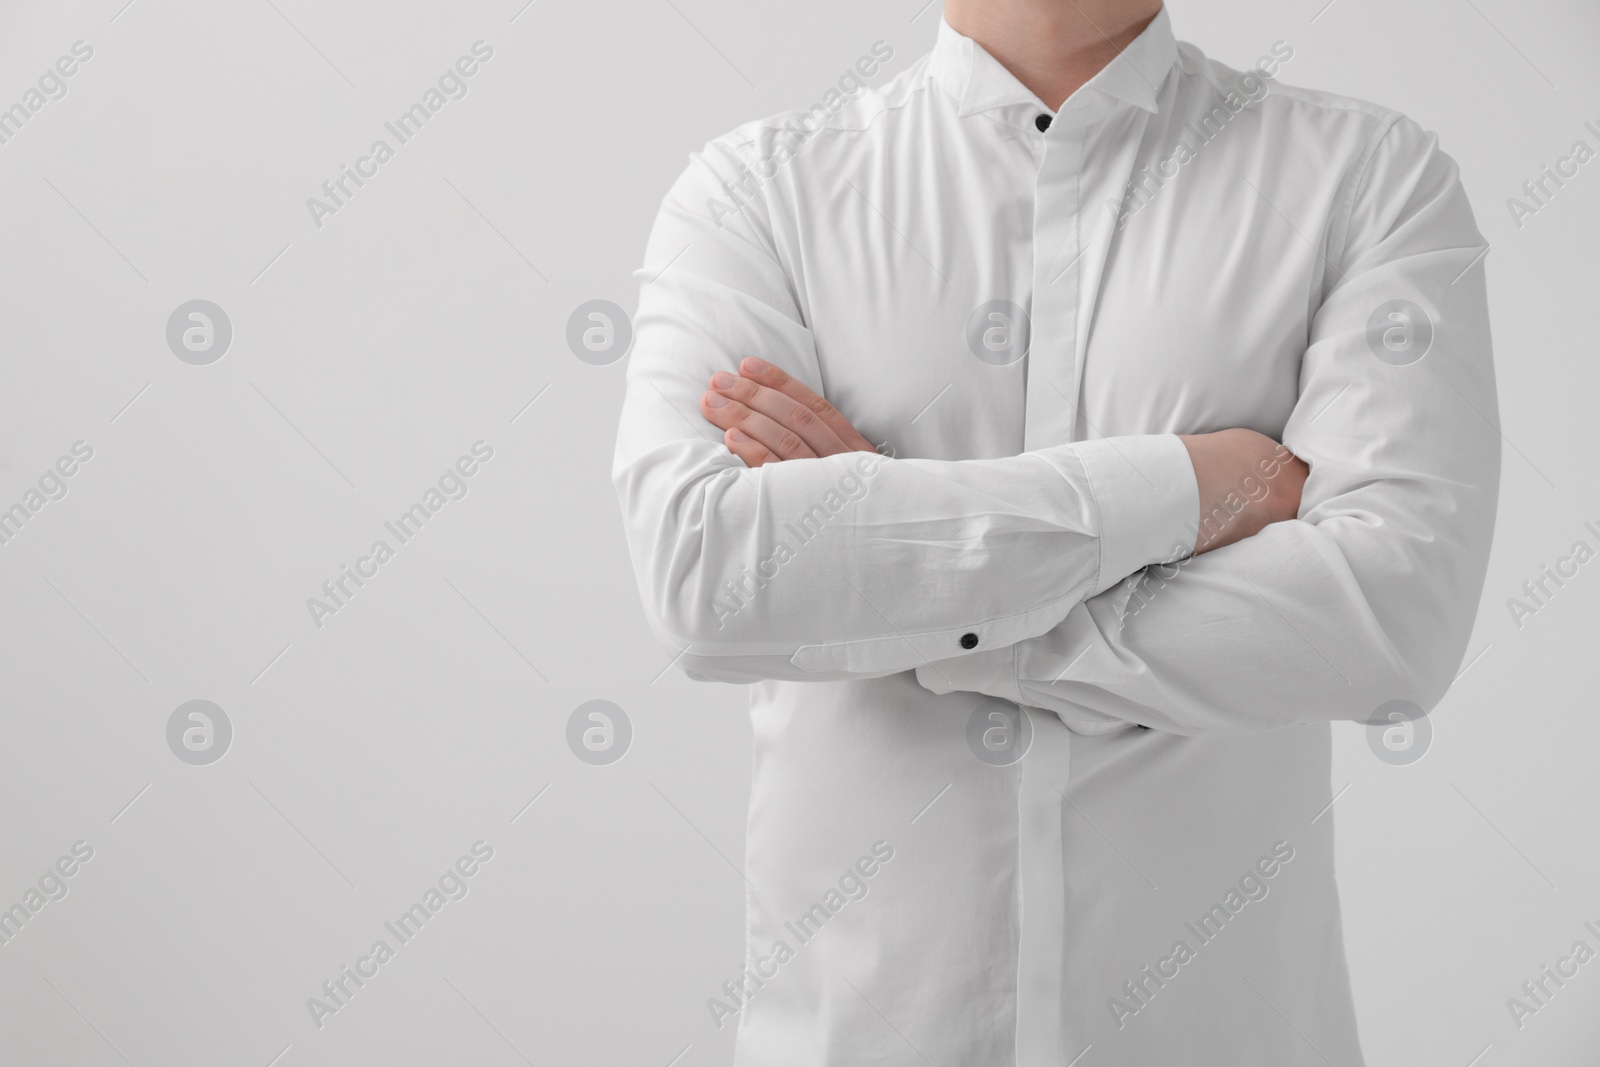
(1190, 249)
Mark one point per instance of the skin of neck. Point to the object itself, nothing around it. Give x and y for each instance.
(1052, 46)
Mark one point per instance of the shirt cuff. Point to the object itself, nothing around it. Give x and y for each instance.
(992, 672)
(1148, 501)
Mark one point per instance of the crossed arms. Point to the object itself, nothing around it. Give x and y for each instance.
(1317, 603)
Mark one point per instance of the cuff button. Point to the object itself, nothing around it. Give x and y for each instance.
(969, 640)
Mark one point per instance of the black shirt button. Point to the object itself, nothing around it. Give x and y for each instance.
(969, 640)
(1042, 122)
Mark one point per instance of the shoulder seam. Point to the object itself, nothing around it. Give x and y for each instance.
(1339, 242)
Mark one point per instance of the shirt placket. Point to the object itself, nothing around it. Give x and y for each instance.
(1065, 273)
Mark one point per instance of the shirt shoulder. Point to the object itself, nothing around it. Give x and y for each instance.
(1385, 160)
(734, 178)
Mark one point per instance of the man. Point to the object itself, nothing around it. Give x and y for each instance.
(1041, 689)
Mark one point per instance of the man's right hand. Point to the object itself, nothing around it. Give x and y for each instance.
(1247, 481)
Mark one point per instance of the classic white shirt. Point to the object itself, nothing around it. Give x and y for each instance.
(1191, 249)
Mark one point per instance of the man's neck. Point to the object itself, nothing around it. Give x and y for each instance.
(1052, 46)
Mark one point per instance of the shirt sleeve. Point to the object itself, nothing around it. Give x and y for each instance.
(1371, 594)
(857, 564)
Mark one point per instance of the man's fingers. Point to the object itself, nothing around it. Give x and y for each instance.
(764, 373)
(785, 411)
(753, 452)
(727, 414)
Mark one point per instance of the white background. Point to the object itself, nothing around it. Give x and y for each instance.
(369, 353)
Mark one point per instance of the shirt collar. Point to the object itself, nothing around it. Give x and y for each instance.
(978, 81)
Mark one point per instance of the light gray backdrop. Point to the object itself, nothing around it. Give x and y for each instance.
(427, 313)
